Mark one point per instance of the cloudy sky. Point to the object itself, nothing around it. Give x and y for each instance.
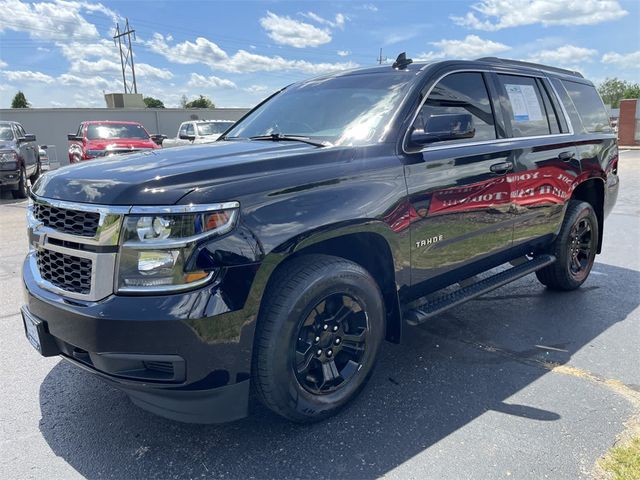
(61, 52)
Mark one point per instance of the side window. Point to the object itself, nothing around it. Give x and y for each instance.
(190, 129)
(576, 123)
(526, 109)
(589, 105)
(19, 130)
(79, 132)
(459, 102)
(183, 129)
(552, 115)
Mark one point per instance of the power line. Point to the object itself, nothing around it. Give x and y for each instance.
(126, 55)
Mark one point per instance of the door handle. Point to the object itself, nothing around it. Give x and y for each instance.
(502, 167)
(566, 156)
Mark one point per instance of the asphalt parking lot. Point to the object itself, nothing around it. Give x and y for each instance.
(521, 383)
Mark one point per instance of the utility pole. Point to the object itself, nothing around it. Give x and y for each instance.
(380, 58)
(126, 55)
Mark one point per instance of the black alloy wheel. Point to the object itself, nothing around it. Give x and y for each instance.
(331, 344)
(580, 247)
(317, 336)
(575, 248)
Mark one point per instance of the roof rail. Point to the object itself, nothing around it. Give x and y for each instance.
(537, 66)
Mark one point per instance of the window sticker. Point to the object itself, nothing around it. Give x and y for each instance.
(524, 102)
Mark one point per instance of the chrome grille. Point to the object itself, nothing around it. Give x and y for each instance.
(73, 222)
(67, 272)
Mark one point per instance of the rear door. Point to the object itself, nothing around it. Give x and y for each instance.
(27, 150)
(544, 155)
(459, 196)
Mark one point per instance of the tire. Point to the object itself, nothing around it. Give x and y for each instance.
(306, 371)
(22, 190)
(574, 248)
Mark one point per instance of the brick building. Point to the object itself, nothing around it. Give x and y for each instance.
(629, 123)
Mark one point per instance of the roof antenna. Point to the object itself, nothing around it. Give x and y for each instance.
(402, 61)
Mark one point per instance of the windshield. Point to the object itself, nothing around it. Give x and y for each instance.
(116, 130)
(212, 128)
(347, 110)
(5, 132)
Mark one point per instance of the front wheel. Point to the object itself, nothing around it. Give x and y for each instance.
(21, 190)
(317, 337)
(575, 249)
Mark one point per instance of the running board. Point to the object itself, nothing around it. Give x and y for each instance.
(418, 315)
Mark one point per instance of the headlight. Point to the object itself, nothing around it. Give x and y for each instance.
(8, 160)
(157, 245)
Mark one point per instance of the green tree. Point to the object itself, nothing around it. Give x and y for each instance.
(202, 102)
(151, 102)
(20, 101)
(632, 91)
(612, 90)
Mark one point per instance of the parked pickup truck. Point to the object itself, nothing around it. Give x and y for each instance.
(96, 139)
(338, 213)
(198, 131)
(19, 158)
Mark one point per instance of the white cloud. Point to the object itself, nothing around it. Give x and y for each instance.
(343, 53)
(567, 55)
(101, 49)
(27, 76)
(202, 51)
(471, 46)
(257, 89)
(54, 20)
(494, 15)
(370, 6)
(3, 64)
(145, 70)
(287, 31)
(212, 81)
(629, 60)
(338, 22)
(93, 81)
(208, 53)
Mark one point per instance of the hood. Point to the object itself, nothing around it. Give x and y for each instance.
(119, 143)
(7, 145)
(164, 176)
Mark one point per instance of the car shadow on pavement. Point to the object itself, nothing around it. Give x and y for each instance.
(447, 373)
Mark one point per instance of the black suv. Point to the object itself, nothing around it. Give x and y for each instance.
(19, 158)
(334, 215)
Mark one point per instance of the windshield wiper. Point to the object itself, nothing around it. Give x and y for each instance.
(281, 137)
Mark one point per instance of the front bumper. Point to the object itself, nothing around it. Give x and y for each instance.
(185, 356)
(9, 177)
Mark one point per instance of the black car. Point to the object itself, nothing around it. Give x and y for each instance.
(19, 158)
(336, 214)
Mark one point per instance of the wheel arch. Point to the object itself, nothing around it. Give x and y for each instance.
(592, 192)
(365, 245)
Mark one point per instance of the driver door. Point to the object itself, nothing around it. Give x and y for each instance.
(458, 184)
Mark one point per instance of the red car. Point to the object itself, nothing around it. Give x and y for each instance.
(105, 138)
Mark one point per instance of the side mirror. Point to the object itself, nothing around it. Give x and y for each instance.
(28, 137)
(158, 138)
(184, 136)
(448, 126)
(72, 137)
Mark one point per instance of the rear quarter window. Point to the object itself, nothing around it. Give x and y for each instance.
(589, 106)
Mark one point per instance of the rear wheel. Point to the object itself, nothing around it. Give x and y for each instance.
(317, 337)
(21, 190)
(575, 249)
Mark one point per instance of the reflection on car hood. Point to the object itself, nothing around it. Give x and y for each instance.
(162, 177)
